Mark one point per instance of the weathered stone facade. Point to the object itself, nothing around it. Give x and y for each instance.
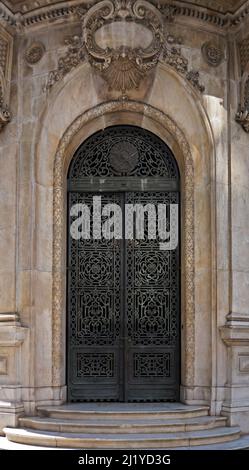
(192, 90)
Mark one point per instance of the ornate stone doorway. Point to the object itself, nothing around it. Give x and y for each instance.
(123, 338)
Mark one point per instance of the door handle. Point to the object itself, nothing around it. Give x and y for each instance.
(126, 338)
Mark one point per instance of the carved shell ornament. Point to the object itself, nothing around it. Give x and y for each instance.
(123, 41)
(124, 65)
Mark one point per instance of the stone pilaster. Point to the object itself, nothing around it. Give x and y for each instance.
(235, 335)
(12, 335)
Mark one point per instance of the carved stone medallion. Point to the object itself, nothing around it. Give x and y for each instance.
(34, 53)
(212, 53)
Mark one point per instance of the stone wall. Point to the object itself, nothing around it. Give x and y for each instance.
(75, 101)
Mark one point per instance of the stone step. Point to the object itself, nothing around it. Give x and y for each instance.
(122, 441)
(123, 411)
(238, 444)
(109, 426)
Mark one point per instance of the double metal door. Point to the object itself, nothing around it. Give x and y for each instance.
(123, 309)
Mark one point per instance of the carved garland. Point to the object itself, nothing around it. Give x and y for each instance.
(58, 218)
(242, 116)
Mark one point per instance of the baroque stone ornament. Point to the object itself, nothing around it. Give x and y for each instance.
(110, 41)
(188, 257)
(34, 53)
(242, 116)
(74, 56)
(124, 66)
(6, 45)
(172, 55)
(212, 53)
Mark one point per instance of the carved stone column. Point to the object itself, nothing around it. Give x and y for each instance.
(12, 335)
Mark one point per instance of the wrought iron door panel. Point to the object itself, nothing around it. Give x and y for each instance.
(95, 322)
(152, 311)
(123, 296)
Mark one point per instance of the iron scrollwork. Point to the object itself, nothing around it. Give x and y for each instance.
(123, 298)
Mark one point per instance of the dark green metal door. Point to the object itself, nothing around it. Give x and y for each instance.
(123, 295)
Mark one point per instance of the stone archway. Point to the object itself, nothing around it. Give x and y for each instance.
(64, 153)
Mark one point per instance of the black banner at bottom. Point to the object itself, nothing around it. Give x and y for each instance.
(112, 459)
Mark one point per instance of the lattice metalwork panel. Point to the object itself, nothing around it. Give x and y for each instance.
(95, 284)
(152, 283)
(95, 365)
(123, 150)
(94, 297)
(123, 295)
(151, 365)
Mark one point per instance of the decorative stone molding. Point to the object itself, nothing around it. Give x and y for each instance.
(59, 224)
(6, 46)
(235, 335)
(45, 12)
(9, 317)
(212, 53)
(124, 65)
(34, 53)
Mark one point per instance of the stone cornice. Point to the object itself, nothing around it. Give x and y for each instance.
(6, 15)
(69, 9)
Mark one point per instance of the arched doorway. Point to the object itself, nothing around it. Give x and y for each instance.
(123, 338)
